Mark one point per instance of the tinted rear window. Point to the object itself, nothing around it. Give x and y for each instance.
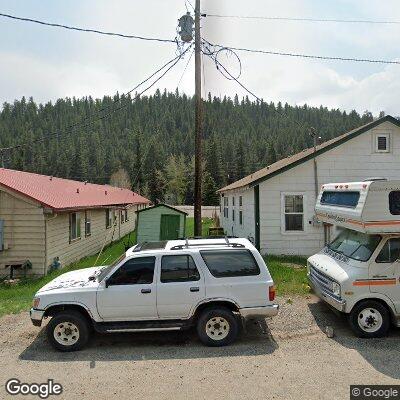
(179, 268)
(229, 263)
(394, 202)
(340, 199)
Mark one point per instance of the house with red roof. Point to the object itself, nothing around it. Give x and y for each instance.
(47, 221)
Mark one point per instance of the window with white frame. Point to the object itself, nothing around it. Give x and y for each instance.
(293, 212)
(240, 210)
(88, 224)
(74, 226)
(110, 217)
(382, 144)
(226, 207)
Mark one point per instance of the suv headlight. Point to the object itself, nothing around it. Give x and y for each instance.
(336, 289)
(35, 302)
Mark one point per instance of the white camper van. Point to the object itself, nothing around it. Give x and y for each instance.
(358, 273)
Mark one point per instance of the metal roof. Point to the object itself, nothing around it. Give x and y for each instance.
(303, 156)
(65, 194)
(162, 205)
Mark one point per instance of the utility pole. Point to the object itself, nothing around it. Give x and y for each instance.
(198, 123)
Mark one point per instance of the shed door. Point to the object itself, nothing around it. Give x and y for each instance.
(169, 227)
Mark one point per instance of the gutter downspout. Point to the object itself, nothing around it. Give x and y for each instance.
(45, 240)
(313, 133)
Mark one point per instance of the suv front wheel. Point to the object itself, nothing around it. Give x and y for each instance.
(68, 331)
(217, 327)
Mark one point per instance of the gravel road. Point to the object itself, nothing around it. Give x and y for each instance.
(289, 357)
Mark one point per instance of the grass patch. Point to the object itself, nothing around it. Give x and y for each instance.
(207, 222)
(289, 274)
(14, 299)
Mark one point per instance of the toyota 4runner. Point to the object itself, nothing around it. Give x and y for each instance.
(212, 284)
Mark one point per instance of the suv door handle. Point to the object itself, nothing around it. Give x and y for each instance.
(144, 291)
(195, 289)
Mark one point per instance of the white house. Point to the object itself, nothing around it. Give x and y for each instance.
(275, 205)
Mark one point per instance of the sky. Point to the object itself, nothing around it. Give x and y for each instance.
(49, 63)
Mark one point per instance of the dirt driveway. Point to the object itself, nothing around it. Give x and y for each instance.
(291, 358)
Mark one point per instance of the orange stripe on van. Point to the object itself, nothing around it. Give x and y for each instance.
(375, 282)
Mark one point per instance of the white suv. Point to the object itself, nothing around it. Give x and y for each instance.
(213, 284)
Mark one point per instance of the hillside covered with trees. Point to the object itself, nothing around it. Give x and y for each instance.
(148, 144)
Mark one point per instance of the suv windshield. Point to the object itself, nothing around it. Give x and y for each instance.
(104, 272)
(356, 245)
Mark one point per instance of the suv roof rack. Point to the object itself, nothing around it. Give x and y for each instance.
(188, 245)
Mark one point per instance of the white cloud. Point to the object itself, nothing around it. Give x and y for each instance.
(80, 64)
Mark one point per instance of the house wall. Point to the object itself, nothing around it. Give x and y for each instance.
(354, 160)
(149, 223)
(24, 232)
(233, 227)
(57, 235)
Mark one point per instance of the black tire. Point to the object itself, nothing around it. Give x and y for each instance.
(70, 319)
(225, 320)
(377, 312)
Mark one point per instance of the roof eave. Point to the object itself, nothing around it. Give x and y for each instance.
(357, 132)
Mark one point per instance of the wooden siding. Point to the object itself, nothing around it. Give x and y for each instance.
(57, 235)
(149, 223)
(234, 228)
(354, 160)
(24, 232)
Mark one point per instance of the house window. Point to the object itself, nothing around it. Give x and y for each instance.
(226, 207)
(293, 212)
(382, 143)
(233, 208)
(126, 215)
(110, 217)
(88, 224)
(240, 210)
(74, 226)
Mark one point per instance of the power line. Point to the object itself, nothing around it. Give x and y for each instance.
(227, 75)
(173, 62)
(184, 71)
(350, 21)
(300, 55)
(74, 28)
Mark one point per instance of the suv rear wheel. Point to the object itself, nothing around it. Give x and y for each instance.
(217, 327)
(68, 331)
(370, 319)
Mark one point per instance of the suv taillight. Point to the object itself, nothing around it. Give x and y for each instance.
(271, 293)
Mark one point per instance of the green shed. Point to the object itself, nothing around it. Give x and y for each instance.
(160, 222)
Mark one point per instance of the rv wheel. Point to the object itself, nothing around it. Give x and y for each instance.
(370, 319)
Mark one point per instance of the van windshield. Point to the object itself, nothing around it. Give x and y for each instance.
(356, 245)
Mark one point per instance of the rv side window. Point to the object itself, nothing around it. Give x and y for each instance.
(394, 202)
(340, 199)
(390, 251)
